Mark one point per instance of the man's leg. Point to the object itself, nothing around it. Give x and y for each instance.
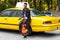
(27, 26)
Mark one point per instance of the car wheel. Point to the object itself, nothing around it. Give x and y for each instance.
(25, 31)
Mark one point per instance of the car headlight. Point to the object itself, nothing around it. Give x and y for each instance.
(47, 22)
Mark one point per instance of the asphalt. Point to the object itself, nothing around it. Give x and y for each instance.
(15, 35)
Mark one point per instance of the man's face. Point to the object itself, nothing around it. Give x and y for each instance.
(25, 6)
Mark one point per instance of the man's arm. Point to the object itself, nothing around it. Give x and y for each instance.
(22, 15)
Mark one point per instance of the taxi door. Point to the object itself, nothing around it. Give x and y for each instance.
(13, 20)
(3, 18)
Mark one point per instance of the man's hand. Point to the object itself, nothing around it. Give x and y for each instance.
(21, 17)
(25, 17)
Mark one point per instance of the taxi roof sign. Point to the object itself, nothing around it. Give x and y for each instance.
(20, 4)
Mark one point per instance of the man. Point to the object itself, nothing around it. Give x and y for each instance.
(26, 16)
(26, 13)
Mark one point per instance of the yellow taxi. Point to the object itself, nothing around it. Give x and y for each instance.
(10, 19)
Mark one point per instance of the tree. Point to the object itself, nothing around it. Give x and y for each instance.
(49, 4)
(58, 5)
(2, 7)
(35, 3)
(10, 3)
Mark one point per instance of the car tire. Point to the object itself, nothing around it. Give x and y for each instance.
(22, 29)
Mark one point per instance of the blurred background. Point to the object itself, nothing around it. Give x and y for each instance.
(42, 5)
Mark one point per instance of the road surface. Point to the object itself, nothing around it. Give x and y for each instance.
(15, 35)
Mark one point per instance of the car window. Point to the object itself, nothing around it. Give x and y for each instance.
(36, 13)
(19, 13)
(5, 13)
(48, 14)
(16, 13)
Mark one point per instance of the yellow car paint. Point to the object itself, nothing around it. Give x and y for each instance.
(36, 22)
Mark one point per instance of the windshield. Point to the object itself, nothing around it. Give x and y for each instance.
(37, 13)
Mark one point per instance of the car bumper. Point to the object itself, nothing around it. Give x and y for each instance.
(46, 28)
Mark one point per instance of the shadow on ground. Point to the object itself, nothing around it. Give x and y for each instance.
(43, 34)
(10, 31)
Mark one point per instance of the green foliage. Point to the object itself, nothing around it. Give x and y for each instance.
(2, 6)
(48, 2)
(51, 4)
(10, 3)
(40, 8)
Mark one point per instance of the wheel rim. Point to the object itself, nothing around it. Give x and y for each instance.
(24, 30)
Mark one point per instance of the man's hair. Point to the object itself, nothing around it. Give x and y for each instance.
(25, 3)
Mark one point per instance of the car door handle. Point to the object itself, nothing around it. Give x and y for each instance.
(5, 18)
